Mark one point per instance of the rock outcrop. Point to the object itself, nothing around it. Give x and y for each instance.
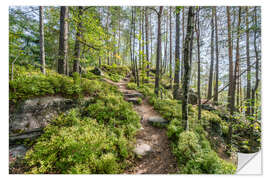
(36, 113)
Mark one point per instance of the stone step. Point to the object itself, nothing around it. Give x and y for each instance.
(142, 149)
(156, 120)
(133, 100)
(132, 95)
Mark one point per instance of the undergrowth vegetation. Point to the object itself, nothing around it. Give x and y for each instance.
(114, 72)
(94, 138)
(192, 148)
(84, 141)
(29, 82)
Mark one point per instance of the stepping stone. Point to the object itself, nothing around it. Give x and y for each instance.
(18, 152)
(156, 120)
(142, 149)
(132, 95)
(133, 100)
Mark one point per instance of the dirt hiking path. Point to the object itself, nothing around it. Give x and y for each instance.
(160, 159)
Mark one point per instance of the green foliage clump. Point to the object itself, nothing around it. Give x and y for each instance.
(188, 146)
(169, 109)
(132, 86)
(114, 112)
(217, 124)
(145, 89)
(174, 129)
(196, 157)
(94, 140)
(30, 82)
(90, 75)
(114, 72)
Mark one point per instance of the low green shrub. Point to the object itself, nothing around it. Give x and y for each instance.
(115, 72)
(174, 129)
(169, 109)
(93, 140)
(114, 112)
(90, 75)
(116, 69)
(195, 156)
(132, 86)
(188, 146)
(31, 83)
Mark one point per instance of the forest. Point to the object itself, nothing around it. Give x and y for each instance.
(133, 89)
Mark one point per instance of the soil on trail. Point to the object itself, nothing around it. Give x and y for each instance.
(160, 160)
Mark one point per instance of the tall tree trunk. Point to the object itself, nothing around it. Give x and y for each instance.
(131, 46)
(77, 49)
(135, 59)
(147, 43)
(63, 41)
(230, 103)
(186, 77)
(119, 34)
(107, 41)
(159, 14)
(199, 64)
(254, 90)
(217, 62)
(151, 41)
(171, 47)
(41, 38)
(237, 60)
(165, 46)
(183, 44)
(143, 53)
(210, 80)
(248, 66)
(176, 94)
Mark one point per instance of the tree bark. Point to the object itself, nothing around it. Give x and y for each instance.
(77, 49)
(217, 62)
(107, 40)
(183, 44)
(248, 112)
(176, 94)
(171, 48)
(147, 43)
(254, 90)
(237, 56)
(186, 77)
(210, 80)
(119, 34)
(63, 41)
(131, 46)
(159, 14)
(230, 103)
(135, 59)
(199, 64)
(41, 38)
(151, 41)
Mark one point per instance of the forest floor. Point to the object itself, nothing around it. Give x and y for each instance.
(160, 160)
